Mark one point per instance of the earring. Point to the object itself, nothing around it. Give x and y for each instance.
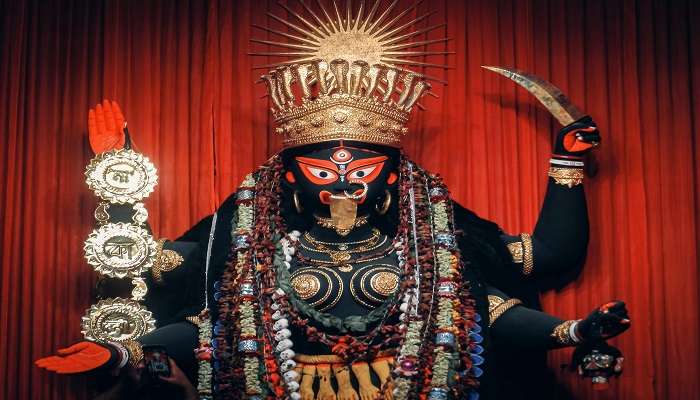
(385, 205)
(297, 202)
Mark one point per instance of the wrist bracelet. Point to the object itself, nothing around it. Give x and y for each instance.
(568, 163)
(572, 332)
(123, 354)
(562, 333)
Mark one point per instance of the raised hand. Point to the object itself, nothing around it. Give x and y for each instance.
(578, 138)
(106, 127)
(607, 321)
(80, 357)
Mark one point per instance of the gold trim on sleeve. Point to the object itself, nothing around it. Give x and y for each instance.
(566, 176)
(164, 261)
(498, 306)
(528, 259)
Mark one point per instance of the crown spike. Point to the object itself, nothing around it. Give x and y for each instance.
(340, 18)
(415, 44)
(348, 15)
(287, 35)
(283, 44)
(412, 34)
(382, 16)
(370, 15)
(293, 26)
(280, 53)
(404, 26)
(282, 63)
(415, 63)
(315, 17)
(328, 17)
(417, 53)
(302, 19)
(391, 23)
(358, 18)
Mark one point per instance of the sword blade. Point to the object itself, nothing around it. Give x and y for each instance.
(549, 95)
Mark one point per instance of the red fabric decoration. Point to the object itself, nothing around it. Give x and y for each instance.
(180, 70)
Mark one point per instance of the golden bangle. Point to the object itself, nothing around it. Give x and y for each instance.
(528, 261)
(498, 306)
(566, 176)
(164, 261)
(135, 351)
(561, 333)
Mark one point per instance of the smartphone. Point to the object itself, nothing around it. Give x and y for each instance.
(157, 361)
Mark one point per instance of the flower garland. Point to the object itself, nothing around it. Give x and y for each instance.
(436, 341)
(204, 354)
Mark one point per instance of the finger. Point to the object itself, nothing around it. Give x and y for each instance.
(588, 137)
(46, 361)
(99, 113)
(73, 349)
(92, 123)
(109, 116)
(586, 129)
(118, 116)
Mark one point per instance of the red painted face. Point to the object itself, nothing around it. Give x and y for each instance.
(337, 168)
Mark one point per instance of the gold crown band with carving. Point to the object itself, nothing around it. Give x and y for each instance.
(345, 82)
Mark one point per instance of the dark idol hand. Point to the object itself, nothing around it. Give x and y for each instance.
(578, 138)
(607, 321)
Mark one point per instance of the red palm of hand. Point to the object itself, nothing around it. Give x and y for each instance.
(80, 357)
(106, 127)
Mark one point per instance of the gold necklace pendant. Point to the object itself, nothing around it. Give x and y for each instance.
(345, 228)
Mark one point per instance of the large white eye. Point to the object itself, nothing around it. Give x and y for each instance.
(362, 173)
(321, 173)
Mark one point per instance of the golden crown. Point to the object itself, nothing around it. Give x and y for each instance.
(345, 81)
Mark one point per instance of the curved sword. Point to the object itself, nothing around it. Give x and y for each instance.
(549, 95)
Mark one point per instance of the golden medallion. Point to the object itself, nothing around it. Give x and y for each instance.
(121, 176)
(384, 283)
(117, 320)
(306, 286)
(120, 250)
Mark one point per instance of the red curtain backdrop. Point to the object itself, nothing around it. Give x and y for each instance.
(181, 71)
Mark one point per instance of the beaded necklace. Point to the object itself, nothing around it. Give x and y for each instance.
(437, 334)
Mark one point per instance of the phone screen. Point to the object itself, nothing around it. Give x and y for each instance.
(157, 360)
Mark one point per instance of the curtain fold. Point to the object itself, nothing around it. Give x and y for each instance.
(182, 73)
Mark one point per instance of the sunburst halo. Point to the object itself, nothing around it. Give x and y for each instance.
(353, 35)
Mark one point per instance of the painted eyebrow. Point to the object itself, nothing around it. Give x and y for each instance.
(366, 162)
(314, 162)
